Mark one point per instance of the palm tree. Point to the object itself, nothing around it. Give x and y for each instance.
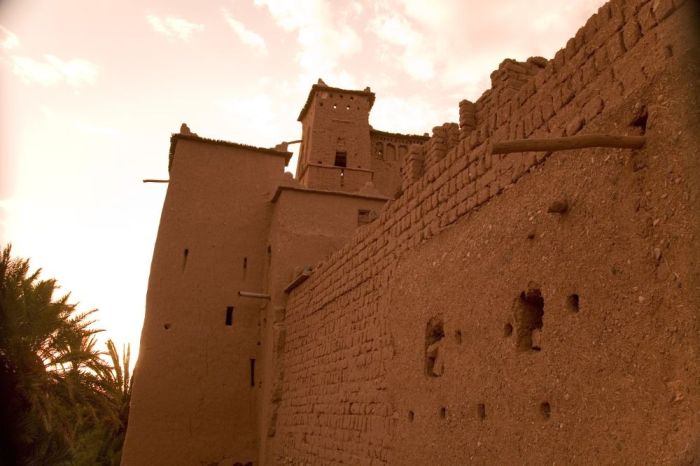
(50, 368)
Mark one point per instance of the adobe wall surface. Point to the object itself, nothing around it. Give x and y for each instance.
(389, 152)
(470, 325)
(305, 227)
(192, 399)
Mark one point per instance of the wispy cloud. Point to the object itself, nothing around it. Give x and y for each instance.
(8, 40)
(174, 27)
(324, 35)
(403, 44)
(248, 37)
(52, 70)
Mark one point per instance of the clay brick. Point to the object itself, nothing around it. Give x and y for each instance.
(600, 58)
(567, 93)
(615, 46)
(588, 72)
(662, 9)
(590, 28)
(579, 39)
(482, 195)
(558, 61)
(603, 16)
(527, 124)
(574, 126)
(576, 80)
(631, 34)
(546, 107)
(646, 18)
(537, 119)
(617, 17)
(593, 108)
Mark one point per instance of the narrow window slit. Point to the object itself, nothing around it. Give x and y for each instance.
(184, 258)
(545, 410)
(252, 372)
(481, 409)
(229, 315)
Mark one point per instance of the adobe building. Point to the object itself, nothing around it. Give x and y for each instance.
(463, 298)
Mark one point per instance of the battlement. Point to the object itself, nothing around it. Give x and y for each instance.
(328, 92)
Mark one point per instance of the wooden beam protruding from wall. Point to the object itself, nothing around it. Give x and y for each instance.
(568, 143)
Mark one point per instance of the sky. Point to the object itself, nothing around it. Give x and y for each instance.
(90, 91)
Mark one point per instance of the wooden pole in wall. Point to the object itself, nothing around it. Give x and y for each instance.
(251, 294)
(568, 143)
(148, 180)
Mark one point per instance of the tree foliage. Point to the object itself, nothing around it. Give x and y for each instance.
(63, 400)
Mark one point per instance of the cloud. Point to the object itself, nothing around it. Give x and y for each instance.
(402, 44)
(8, 40)
(324, 35)
(174, 27)
(411, 114)
(90, 128)
(248, 37)
(53, 70)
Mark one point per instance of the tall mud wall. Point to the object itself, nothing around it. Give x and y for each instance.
(525, 307)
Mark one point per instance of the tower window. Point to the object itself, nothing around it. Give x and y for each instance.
(363, 217)
(341, 159)
(229, 315)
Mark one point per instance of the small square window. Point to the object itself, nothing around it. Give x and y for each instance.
(341, 159)
(364, 216)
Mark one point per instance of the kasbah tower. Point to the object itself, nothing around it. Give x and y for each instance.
(520, 287)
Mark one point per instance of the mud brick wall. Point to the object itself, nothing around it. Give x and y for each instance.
(343, 377)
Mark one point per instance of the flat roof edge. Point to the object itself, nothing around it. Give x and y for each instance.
(281, 188)
(191, 137)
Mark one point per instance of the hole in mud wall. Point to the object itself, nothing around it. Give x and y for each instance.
(529, 310)
(572, 303)
(245, 262)
(545, 410)
(185, 253)
(434, 333)
(640, 119)
(443, 412)
(458, 337)
(481, 411)
(668, 51)
(507, 330)
(166, 326)
(252, 372)
(411, 416)
(229, 315)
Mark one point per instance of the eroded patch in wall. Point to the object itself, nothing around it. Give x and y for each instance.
(529, 311)
(434, 335)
